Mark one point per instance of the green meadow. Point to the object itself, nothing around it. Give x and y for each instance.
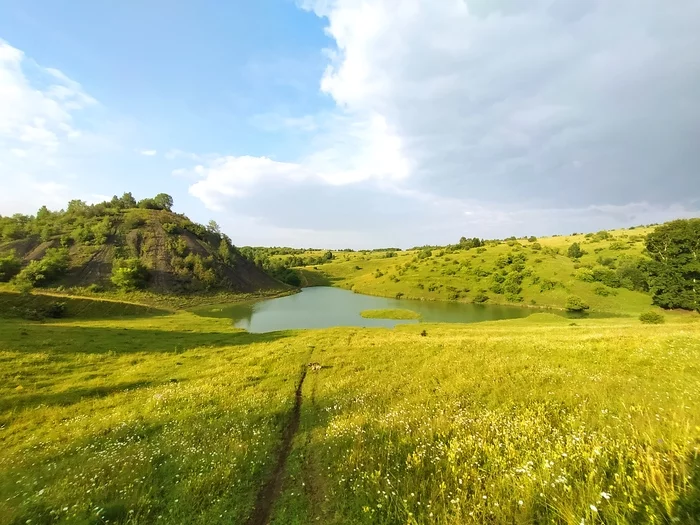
(144, 415)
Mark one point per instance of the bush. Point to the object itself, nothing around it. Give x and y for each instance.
(575, 251)
(547, 285)
(604, 291)
(52, 266)
(95, 288)
(10, 266)
(480, 298)
(171, 228)
(532, 238)
(399, 295)
(652, 318)
(606, 261)
(576, 304)
(129, 274)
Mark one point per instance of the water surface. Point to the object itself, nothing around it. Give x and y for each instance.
(324, 307)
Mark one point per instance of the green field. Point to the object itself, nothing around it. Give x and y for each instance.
(396, 313)
(160, 417)
(548, 278)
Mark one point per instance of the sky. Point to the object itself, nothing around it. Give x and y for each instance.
(357, 123)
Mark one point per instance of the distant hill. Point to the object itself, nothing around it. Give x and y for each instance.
(125, 244)
(608, 273)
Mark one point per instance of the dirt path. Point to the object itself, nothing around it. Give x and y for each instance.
(271, 489)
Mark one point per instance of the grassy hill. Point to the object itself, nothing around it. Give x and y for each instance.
(540, 272)
(159, 251)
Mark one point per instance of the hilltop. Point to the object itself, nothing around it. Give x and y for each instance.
(124, 245)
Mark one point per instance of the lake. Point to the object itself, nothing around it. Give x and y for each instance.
(324, 307)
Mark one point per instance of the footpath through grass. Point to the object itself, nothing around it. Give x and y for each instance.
(179, 419)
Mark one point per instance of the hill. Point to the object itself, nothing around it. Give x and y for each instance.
(125, 245)
(607, 275)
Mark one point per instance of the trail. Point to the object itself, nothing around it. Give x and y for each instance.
(271, 489)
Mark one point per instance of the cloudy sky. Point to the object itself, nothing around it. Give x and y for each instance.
(357, 123)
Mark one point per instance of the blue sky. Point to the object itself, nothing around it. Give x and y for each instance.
(355, 123)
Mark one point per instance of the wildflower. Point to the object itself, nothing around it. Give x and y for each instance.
(594, 508)
(520, 502)
(605, 495)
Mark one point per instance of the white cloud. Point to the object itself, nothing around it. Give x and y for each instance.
(149, 152)
(547, 102)
(38, 109)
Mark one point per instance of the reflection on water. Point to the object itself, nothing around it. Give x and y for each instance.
(324, 307)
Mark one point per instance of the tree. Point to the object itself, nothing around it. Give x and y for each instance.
(213, 227)
(163, 201)
(10, 266)
(43, 213)
(674, 271)
(127, 201)
(576, 304)
(574, 251)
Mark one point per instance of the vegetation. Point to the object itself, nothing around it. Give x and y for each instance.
(124, 245)
(652, 317)
(674, 271)
(576, 304)
(10, 265)
(139, 420)
(129, 274)
(117, 412)
(396, 313)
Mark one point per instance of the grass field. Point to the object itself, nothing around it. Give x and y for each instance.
(548, 278)
(173, 418)
(395, 313)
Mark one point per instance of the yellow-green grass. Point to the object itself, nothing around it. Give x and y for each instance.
(442, 274)
(390, 313)
(181, 417)
(14, 304)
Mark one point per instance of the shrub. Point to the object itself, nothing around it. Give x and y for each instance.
(480, 298)
(421, 286)
(95, 288)
(10, 266)
(129, 274)
(652, 317)
(606, 261)
(618, 245)
(574, 251)
(547, 285)
(585, 275)
(576, 304)
(399, 295)
(606, 276)
(378, 273)
(532, 238)
(536, 246)
(171, 227)
(52, 266)
(604, 291)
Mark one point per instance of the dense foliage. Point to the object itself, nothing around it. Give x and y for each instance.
(674, 271)
(129, 274)
(131, 237)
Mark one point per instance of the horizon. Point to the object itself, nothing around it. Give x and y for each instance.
(352, 125)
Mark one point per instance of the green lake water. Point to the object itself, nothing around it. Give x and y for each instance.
(324, 307)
